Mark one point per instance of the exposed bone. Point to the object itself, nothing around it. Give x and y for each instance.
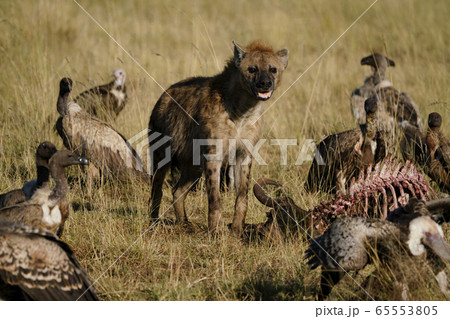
(390, 175)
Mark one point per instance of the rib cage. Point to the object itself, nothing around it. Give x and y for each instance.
(379, 189)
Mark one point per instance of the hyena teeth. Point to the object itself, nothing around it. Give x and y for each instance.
(265, 95)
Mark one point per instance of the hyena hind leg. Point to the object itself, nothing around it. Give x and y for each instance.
(156, 193)
(188, 179)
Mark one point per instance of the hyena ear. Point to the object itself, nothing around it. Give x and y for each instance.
(283, 55)
(239, 54)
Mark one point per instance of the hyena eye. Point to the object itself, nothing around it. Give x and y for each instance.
(252, 69)
(273, 69)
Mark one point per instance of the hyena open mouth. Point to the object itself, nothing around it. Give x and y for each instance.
(226, 107)
(264, 95)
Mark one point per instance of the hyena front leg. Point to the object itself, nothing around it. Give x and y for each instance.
(212, 174)
(242, 179)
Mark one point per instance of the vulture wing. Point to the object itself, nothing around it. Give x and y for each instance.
(99, 141)
(343, 245)
(338, 153)
(11, 198)
(42, 266)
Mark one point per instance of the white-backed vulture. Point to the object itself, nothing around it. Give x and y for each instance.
(105, 101)
(95, 139)
(35, 265)
(43, 210)
(345, 153)
(431, 151)
(379, 64)
(439, 148)
(409, 233)
(44, 151)
(398, 109)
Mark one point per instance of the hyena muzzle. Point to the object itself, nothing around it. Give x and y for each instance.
(223, 110)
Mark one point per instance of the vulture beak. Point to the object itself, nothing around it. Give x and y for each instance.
(83, 161)
(438, 244)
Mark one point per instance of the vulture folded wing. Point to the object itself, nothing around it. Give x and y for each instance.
(443, 156)
(96, 101)
(338, 153)
(11, 198)
(26, 213)
(98, 140)
(439, 174)
(93, 93)
(409, 111)
(343, 245)
(42, 266)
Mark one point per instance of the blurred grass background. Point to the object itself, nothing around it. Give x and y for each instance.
(42, 41)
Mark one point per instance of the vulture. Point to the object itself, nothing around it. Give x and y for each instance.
(44, 151)
(409, 232)
(95, 139)
(379, 64)
(35, 265)
(47, 208)
(439, 149)
(345, 153)
(431, 151)
(398, 107)
(105, 101)
(436, 141)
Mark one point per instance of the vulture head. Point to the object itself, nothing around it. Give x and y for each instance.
(119, 76)
(434, 120)
(44, 152)
(371, 105)
(424, 231)
(66, 158)
(65, 86)
(377, 61)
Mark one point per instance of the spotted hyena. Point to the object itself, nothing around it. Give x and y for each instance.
(226, 108)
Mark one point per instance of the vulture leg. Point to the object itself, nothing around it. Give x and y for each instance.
(328, 280)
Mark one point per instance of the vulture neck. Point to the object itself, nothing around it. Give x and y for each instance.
(62, 103)
(432, 139)
(43, 173)
(378, 75)
(368, 148)
(434, 130)
(61, 185)
(118, 84)
(371, 127)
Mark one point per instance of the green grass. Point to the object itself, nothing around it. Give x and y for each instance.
(42, 41)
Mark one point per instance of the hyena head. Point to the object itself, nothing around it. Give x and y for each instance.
(260, 67)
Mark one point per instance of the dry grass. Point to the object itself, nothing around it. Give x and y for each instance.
(42, 41)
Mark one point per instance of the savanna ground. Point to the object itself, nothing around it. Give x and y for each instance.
(42, 41)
